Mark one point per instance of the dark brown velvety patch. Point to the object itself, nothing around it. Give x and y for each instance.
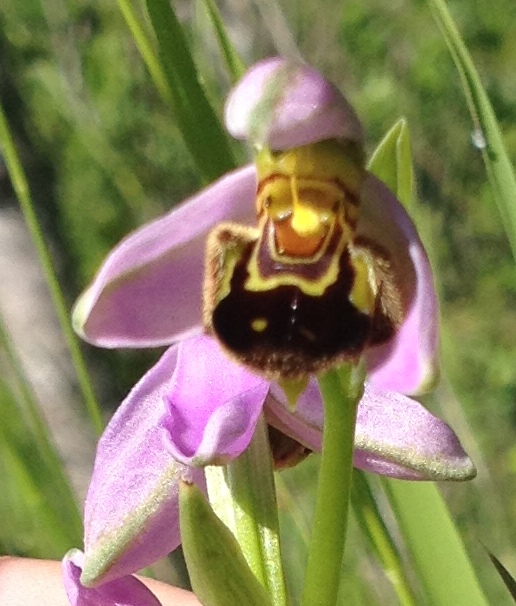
(283, 332)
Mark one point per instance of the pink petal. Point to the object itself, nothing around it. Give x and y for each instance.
(395, 436)
(127, 591)
(307, 107)
(409, 362)
(131, 511)
(213, 405)
(148, 291)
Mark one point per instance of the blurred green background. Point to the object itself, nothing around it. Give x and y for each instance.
(103, 155)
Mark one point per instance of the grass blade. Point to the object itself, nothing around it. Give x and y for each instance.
(145, 47)
(21, 188)
(234, 64)
(377, 535)
(436, 547)
(498, 165)
(202, 131)
(505, 575)
(39, 515)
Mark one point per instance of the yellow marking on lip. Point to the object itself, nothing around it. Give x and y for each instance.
(306, 219)
(259, 324)
(258, 283)
(363, 295)
(321, 161)
(305, 191)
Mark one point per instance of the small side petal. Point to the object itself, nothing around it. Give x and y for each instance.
(213, 405)
(408, 363)
(131, 510)
(148, 291)
(398, 437)
(127, 591)
(285, 104)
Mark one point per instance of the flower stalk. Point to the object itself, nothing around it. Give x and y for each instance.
(341, 390)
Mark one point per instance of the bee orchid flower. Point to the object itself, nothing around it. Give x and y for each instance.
(276, 272)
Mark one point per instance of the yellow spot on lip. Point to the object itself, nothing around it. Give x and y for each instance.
(306, 221)
(259, 324)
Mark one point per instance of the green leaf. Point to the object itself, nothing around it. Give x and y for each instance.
(202, 131)
(218, 571)
(487, 132)
(392, 162)
(243, 495)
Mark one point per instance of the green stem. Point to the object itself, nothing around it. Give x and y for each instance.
(370, 519)
(22, 191)
(243, 495)
(341, 393)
